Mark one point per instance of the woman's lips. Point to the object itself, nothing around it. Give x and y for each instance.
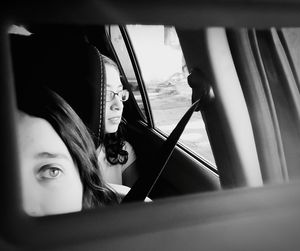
(115, 120)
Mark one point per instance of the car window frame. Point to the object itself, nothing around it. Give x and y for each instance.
(147, 103)
(137, 73)
(142, 117)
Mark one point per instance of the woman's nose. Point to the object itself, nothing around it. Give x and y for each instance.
(117, 104)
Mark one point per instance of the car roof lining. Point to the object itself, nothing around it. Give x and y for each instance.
(188, 14)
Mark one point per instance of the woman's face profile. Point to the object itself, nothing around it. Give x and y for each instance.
(50, 180)
(114, 108)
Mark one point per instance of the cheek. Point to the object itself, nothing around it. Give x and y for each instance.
(65, 197)
(53, 197)
(31, 192)
(107, 112)
(31, 196)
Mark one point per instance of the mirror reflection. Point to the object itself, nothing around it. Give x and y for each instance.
(69, 161)
(58, 162)
(97, 107)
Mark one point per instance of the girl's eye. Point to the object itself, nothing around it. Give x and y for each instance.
(49, 172)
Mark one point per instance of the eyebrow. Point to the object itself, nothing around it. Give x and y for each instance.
(47, 155)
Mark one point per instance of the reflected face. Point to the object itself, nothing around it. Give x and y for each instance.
(50, 180)
(114, 108)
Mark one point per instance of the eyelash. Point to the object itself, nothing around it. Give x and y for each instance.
(44, 172)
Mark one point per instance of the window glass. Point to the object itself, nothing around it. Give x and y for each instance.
(165, 74)
(121, 50)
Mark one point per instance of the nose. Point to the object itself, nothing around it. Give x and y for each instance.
(116, 103)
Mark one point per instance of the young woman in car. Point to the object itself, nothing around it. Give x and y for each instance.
(58, 163)
(116, 155)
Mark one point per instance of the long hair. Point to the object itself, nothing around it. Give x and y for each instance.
(46, 104)
(114, 142)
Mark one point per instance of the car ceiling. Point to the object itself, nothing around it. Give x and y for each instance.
(189, 13)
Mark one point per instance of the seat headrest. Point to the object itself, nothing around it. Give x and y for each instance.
(68, 65)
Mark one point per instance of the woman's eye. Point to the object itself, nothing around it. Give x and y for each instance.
(49, 172)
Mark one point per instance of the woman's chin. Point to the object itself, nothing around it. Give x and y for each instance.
(111, 129)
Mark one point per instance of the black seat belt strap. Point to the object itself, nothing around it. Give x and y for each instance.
(142, 188)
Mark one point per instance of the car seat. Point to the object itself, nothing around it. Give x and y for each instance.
(67, 64)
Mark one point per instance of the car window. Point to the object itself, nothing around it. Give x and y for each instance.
(123, 56)
(164, 73)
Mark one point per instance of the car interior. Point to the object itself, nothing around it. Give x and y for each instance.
(242, 60)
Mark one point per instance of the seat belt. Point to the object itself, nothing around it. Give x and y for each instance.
(142, 188)
(202, 92)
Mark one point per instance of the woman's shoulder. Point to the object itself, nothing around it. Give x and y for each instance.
(128, 147)
(122, 190)
(131, 155)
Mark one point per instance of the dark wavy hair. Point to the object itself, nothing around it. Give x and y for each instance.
(46, 104)
(114, 142)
